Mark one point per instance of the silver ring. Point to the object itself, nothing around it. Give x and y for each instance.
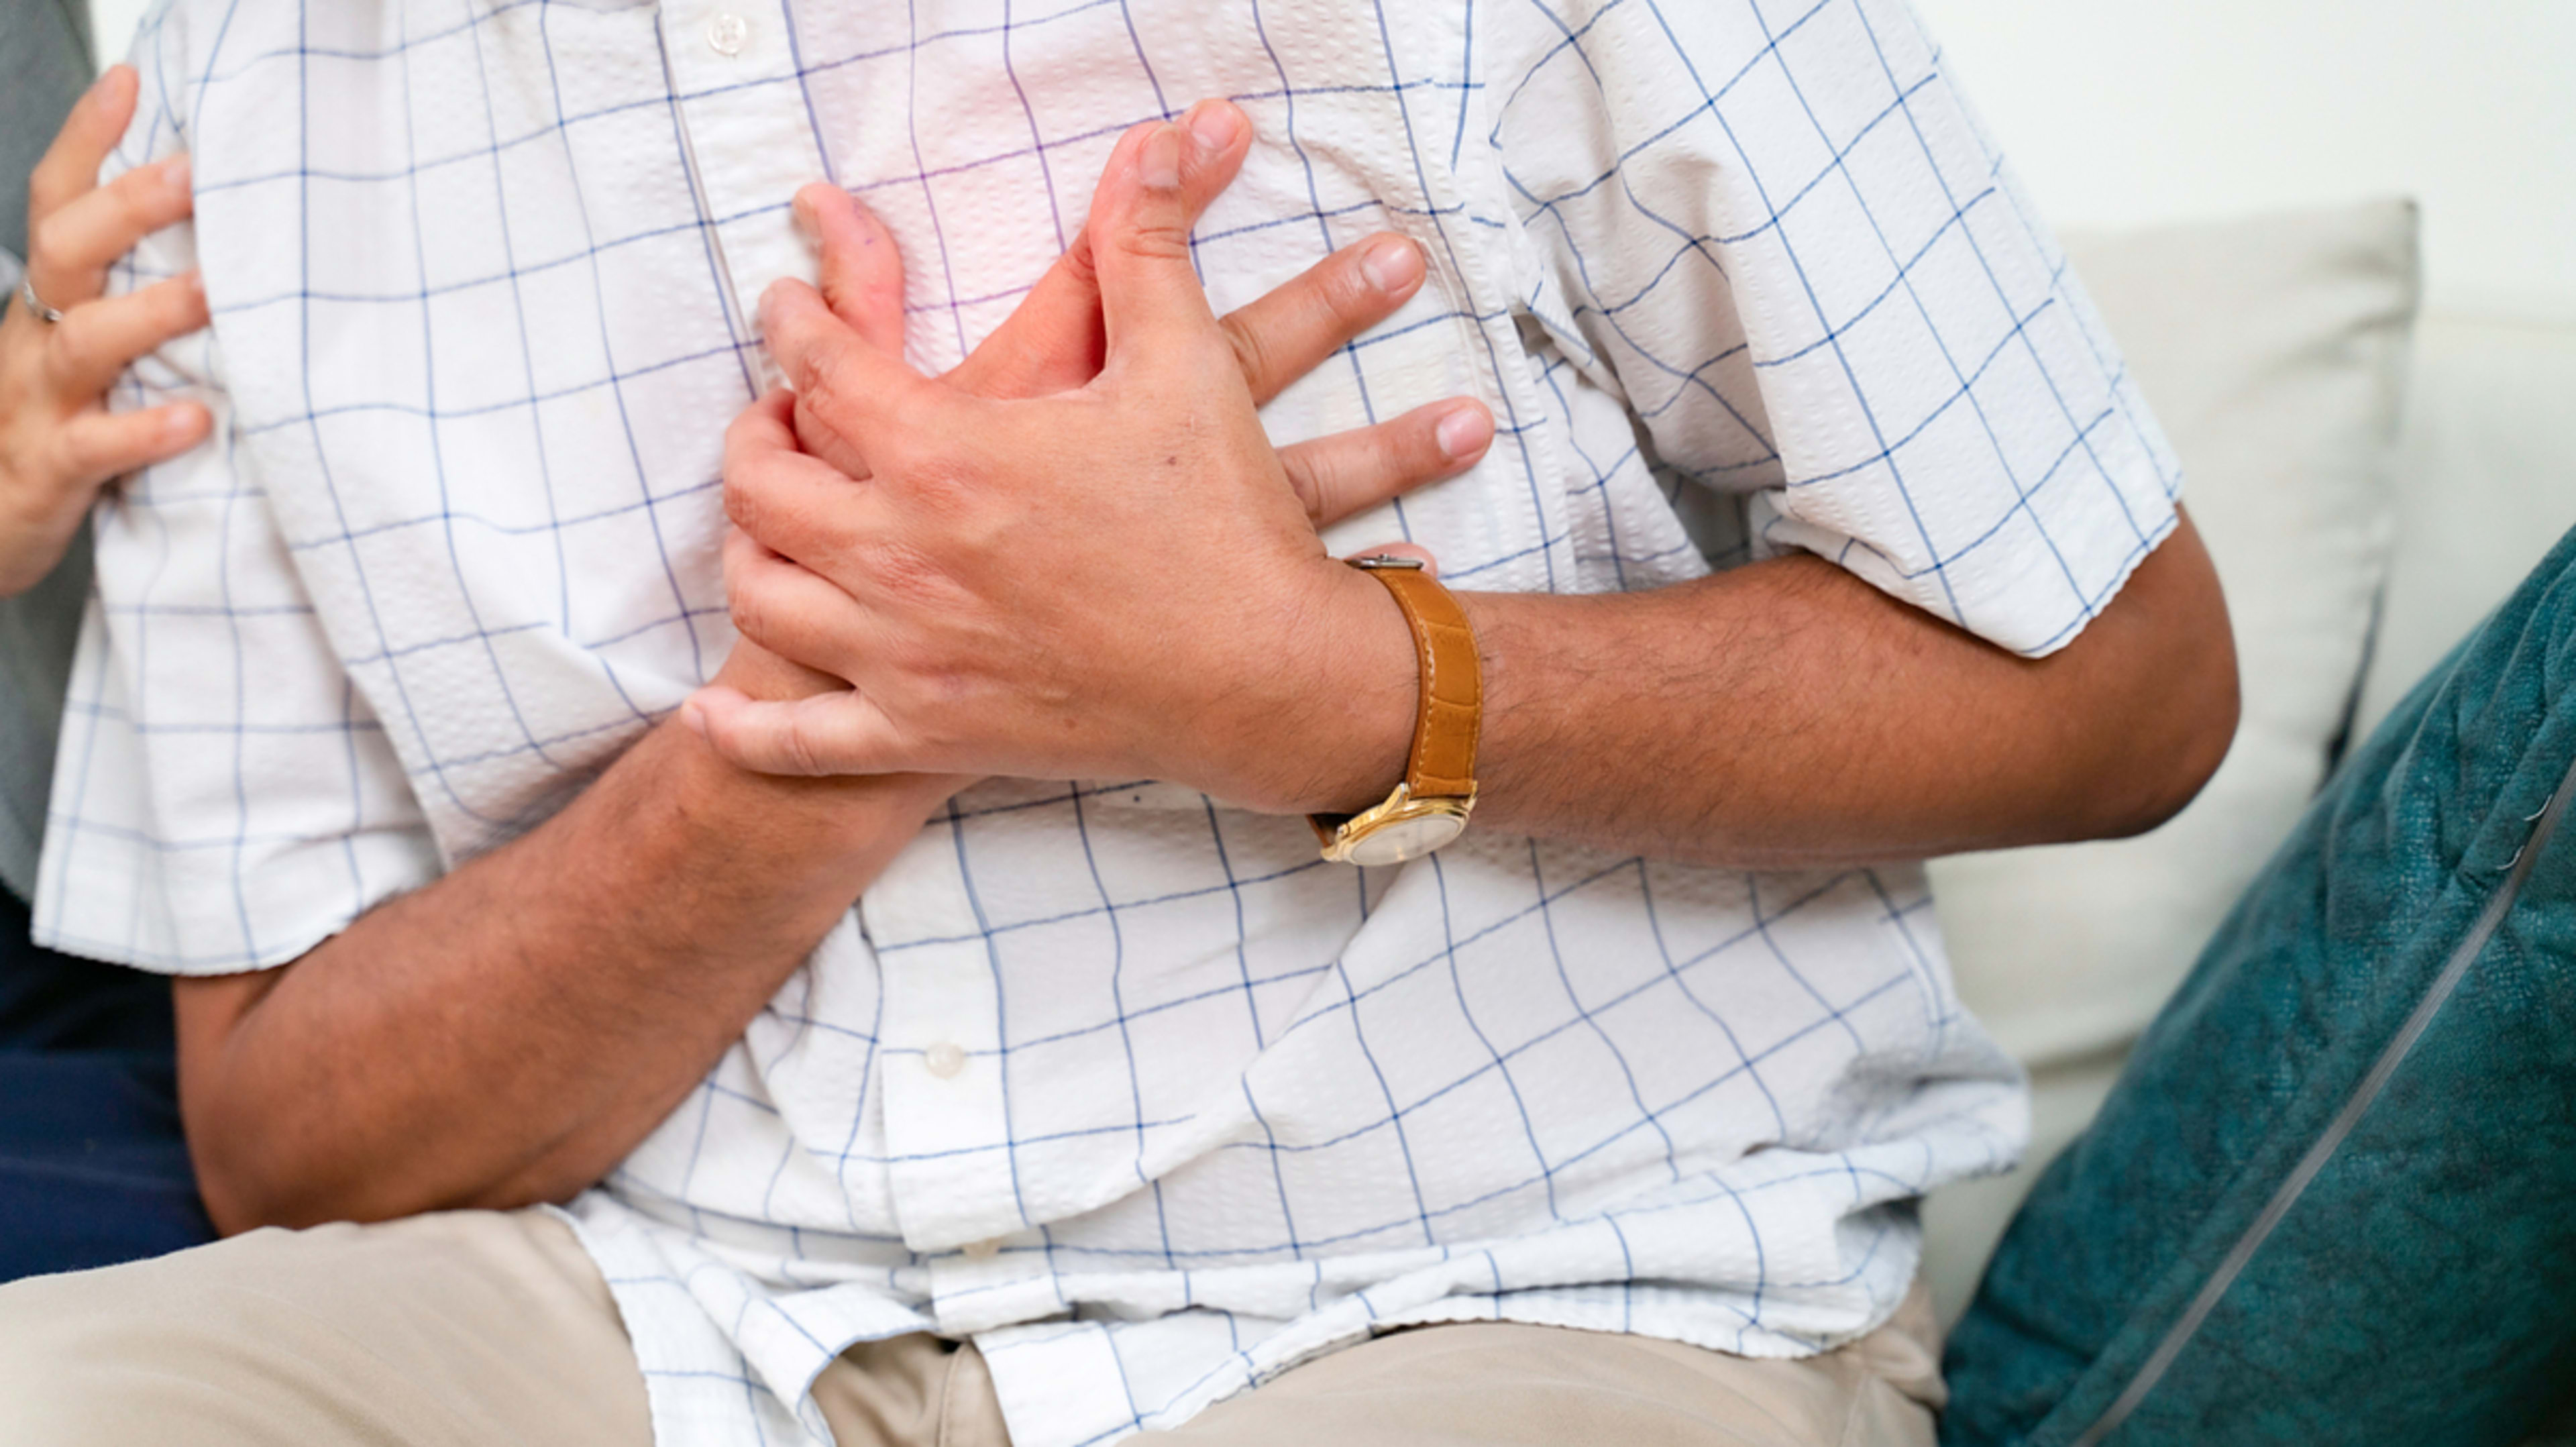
(35, 303)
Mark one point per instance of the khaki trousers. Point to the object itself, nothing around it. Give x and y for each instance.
(478, 1328)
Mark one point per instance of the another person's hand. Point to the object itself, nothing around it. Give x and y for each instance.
(58, 441)
(1122, 580)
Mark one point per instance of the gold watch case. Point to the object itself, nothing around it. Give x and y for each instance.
(1402, 828)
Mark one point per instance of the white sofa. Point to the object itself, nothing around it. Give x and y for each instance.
(2364, 514)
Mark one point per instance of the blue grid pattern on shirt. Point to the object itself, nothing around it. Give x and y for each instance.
(1704, 421)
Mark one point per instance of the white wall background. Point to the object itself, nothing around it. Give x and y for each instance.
(2117, 112)
(111, 26)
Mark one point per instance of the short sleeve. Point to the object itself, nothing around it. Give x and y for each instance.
(1778, 231)
(223, 799)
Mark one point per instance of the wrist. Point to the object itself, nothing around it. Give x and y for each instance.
(1340, 743)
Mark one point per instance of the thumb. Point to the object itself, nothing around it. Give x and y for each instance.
(862, 268)
(830, 733)
(1140, 241)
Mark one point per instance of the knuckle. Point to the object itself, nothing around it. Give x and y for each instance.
(937, 470)
(1082, 264)
(747, 598)
(1209, 352)
(796, 747)
(905, 575)
(739, 556)
(1254, 352)
(823, 386)
(77, 349)
(74, 456)
(1346, 291)
(137, 196)
(1412, 451)
(729, 735)
(749, 438)
(1155, 240)
(768, 612)
(749, 498)
(49, 240)
(1307, 478)
(178, 306)
(46, 192)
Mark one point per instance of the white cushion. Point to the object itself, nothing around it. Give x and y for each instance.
(2486, 483)
(2273, 351)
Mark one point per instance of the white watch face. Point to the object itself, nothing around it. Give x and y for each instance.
(1401, 839)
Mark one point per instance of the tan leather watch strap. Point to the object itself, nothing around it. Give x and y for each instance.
(1451, 710)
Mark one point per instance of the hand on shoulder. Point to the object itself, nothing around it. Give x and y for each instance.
(58, 442)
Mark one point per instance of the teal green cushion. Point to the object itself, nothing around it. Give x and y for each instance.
(2333, 1198)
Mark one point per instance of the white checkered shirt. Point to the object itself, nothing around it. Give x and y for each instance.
(1130, 1089)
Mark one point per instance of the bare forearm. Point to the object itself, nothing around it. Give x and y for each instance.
(1787, 714)
(507, 1034)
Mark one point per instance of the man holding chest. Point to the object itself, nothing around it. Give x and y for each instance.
(1014, 1001)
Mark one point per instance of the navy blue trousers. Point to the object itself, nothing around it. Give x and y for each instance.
(93, 1168)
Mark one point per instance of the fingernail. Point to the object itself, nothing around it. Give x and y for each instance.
(1214, 125)
(174, 174)
(690, 716)
(1159, 166)
(182, 422)
(802, 213)
(1393, 264)
(1464, 432)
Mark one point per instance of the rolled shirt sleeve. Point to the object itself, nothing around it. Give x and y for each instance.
(1779, 231)
(223, 798)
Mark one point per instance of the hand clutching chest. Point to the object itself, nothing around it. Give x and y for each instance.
(1051, 577)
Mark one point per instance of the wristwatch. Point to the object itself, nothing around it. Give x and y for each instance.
(1430, 807)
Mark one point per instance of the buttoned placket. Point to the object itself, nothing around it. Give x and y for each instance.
(948, 1140)
(750, 140)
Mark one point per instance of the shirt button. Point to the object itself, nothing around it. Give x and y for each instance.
(982, 1250)
(726, 33)
(944, 1059)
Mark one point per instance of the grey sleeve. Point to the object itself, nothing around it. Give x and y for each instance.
(44, 67)
(37, 631)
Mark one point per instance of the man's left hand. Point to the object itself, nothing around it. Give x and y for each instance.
(1117, 581)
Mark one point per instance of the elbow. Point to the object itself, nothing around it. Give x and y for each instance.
(2156, 677)
(245, 1179)
(233, 1214)
(248, 1183)
(240, 1145)
(251, 1175)
(232, 1192)
(2177, 751)
(2166, 726)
